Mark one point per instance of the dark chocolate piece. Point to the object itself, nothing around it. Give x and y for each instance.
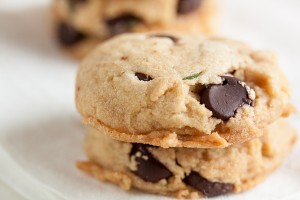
(209, 189)
(187, 6)
(73, 3)
(143, 77)
(224, 99)
(67, 35)
(148, 168)
(77, 1)
(122, 24)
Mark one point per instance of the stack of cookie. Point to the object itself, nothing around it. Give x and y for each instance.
(183, 115)
(82, 24)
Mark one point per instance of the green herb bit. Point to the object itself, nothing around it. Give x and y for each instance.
(192, 76)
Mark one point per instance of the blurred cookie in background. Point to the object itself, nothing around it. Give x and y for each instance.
(82, 24)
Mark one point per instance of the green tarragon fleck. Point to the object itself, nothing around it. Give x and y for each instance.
(192, 76)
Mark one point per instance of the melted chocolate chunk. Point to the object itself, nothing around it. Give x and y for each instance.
(187, 6)
(143, 77)
(67, 35)
(148, 168)
(209, 189)
(174, 39)
(223, 100)
(122, 24)
(74, 3)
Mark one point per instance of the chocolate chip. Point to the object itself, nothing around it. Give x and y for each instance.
(124, 58)
(187, 6)
(209, 189)
(122, 24)
(78, 1)
(223, 100)
(148, 168)
(74, 3)
(174, 39)
(67, 35)
(143, 77)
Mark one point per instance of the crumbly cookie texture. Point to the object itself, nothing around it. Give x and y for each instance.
(188, 172)
(102, 19)
(174, 90)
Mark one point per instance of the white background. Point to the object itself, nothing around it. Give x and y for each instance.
(39, 126)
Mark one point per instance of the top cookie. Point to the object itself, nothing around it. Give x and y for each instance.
(174, 90)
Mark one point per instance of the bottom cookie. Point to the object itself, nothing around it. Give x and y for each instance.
(187, 172)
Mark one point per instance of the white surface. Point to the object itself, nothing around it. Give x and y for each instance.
(8, 193)
(40, 129)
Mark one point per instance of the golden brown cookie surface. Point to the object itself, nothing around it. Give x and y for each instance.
(180, 91)
(188, 172)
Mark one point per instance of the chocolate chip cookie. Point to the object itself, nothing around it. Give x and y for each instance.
(188, 172)
(173, 90)
(81, 24)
